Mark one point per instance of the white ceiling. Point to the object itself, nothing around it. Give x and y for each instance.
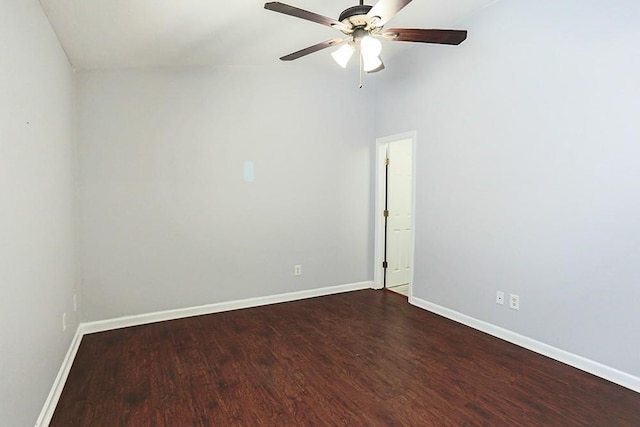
(108, 34)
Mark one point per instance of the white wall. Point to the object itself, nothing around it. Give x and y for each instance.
(528, 171)
(166, 218)
(36, 210)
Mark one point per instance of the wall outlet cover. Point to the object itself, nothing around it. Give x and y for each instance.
(514, 302)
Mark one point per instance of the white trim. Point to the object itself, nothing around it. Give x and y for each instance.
(379, 182)
(56, 390)
(160, 316)
(598, 369)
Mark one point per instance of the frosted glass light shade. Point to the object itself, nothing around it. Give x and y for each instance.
(343, 55)
(370, 47)
(370, 63)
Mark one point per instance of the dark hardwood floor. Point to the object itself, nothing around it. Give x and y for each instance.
(362, 358)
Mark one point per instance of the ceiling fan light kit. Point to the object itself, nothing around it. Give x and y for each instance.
(363, 27)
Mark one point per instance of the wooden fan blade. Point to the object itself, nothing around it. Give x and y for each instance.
(312, 49)
(385, 10)
(276, 6)
(454, 37)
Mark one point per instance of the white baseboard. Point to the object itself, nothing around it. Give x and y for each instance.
(56, 390)
(160, 316)
(122, 322)
(611, 374)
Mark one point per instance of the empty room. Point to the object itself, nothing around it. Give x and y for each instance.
(410, 213)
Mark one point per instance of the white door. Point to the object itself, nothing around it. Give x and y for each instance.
(399, 207)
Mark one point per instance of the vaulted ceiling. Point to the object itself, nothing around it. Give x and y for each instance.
(99, 34)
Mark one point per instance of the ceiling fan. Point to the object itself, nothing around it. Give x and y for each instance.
(363, 26)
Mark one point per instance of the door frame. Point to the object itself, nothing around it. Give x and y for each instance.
(379, 199)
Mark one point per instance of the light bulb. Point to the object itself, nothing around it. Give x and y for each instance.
(370, 47)
(342, 55)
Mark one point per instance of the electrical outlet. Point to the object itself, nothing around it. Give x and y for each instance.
(514, 302)
(500, 297)
(64, 322)
(297, 270)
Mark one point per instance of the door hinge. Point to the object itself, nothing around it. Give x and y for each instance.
(386, 161)
(386, 213)
(384, 264)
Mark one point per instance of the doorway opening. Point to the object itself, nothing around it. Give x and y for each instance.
(394, 212)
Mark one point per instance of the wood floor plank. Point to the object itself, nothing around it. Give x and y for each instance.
(361, 358)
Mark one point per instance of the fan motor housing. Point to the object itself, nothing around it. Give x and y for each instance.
(355, 15)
